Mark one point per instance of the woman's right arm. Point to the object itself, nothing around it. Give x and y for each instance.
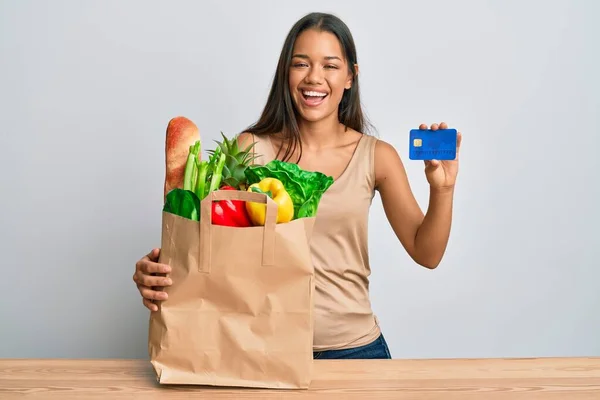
(149, 284)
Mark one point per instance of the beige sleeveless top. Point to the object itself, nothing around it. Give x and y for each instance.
(339, 246)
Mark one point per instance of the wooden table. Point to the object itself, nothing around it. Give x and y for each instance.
(490, 379)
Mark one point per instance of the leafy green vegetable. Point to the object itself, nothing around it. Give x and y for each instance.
(184, 203)
(305, 187)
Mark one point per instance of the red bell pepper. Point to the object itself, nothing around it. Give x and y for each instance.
(230, 212)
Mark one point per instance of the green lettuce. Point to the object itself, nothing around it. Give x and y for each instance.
(304, 187)
(184, 203)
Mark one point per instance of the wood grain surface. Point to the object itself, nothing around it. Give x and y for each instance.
(448, 379)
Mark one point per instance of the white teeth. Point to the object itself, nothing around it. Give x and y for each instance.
(312, 93)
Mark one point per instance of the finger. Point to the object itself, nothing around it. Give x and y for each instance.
(150, 267)
(423, 126)
(434, 127)
(152, 280)
(150, 305)
(443, 125)
(150, 294)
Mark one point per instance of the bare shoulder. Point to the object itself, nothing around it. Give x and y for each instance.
(385, 152)
(388, 164)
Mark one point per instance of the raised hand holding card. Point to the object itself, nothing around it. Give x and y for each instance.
(429, 144)
(438, 147)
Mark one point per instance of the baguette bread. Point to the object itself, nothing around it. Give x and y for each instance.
(181, 134)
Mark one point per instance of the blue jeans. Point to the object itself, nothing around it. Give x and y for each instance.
(376, 349)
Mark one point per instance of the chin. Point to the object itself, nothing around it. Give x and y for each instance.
(313, 117)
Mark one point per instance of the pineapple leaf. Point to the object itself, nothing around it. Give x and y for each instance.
(226, 172)
(220, 147)
(238, 169)
(230, 161)
(239, 173)
(240, 158)
(250, 146)
(245, 157)
(231, 182)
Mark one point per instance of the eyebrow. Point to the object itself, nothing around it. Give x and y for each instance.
(306, 57)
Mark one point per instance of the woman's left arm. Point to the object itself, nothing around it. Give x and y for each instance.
(424, 237)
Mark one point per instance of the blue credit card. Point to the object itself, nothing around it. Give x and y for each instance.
(426, 144)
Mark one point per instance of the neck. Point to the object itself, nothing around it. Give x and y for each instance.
(321, 134)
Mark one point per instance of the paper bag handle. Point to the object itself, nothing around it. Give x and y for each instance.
(268, 250)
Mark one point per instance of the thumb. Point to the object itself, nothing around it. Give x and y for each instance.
(153, 255)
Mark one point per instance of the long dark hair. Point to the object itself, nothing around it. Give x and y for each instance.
(279, 113)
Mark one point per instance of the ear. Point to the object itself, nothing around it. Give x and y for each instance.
(351, 77)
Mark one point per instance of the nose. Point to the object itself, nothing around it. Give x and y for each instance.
(314, 76)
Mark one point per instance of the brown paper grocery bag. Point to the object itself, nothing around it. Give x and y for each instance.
(239, 311)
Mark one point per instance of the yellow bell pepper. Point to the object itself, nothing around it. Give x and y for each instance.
(285, 205)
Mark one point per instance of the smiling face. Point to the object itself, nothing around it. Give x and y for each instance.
(318, 75)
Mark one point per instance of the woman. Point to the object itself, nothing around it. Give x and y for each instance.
(313, 117)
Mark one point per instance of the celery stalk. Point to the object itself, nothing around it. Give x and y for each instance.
(217, 175)
(194, 181)
(191, 167)
(201, 181)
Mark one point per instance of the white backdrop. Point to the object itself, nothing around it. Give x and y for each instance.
(87, 88)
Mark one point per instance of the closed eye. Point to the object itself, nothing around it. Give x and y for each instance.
(299, 65)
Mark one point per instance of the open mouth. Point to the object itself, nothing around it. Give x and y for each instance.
(313, 98)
